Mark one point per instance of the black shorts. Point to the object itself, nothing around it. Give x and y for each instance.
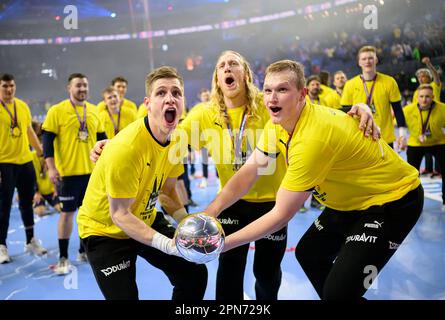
(48, 198)
(113, 262)
(71, 190)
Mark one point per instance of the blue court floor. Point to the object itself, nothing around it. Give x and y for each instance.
(416, 271)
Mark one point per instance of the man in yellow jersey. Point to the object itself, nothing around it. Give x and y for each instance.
(380, 92)
(70, 130)
(45, 191)
(118, 219)
(121, 85)
(428, 75)
(373, 197)
(204, 97)
(114, 118)
(313, 91)
(16, 169)
(325, 84)
(426, 122)
(229, 127)
(332, 100)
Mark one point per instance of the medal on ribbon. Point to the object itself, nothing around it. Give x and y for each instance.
(82, 134)
(14, 129)
(115, 125)
(237, 142)
(426, 130)
(369, 93)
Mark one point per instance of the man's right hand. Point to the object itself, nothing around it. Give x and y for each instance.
(97, 150)
(54, 176)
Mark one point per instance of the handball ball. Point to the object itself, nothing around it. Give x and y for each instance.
(199, 238)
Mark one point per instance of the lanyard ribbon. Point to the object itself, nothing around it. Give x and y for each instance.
(116, 126)
(369, 93)
(14, 121)
(237, 141)
(425, 125)
(83, 124)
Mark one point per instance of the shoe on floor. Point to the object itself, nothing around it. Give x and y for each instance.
(4, 256)
(63, 266)
(34, 247)
(82, 257)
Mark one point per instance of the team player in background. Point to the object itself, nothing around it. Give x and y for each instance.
(204, 97)
(114, 118)
(373, 198)
(71, 129)
(426, 119)
(325, 84)
(16, 169)
(333, 99)
(45, 191)
(380, 92)
(121, 86)
(429, 75)
(118, 220)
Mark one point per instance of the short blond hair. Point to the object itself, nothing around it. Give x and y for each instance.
(425, 86)
(366, 49)
(164, 72)
(289, 65)
(109, 89)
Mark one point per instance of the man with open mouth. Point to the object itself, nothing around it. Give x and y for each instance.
(118, 220)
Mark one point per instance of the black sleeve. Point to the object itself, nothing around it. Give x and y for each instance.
(268, 154)
(101, 136)
(48, 144)
(398, 112)
(346, 109)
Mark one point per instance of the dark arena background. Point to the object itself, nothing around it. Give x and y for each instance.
(43, 42)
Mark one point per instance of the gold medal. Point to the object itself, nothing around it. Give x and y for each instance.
(83, 135)
(16, 132)
(422, 138)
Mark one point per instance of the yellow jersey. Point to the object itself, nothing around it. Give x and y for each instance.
(142, 111)
(126, 104)
(320, 101)
(434, 124)
(133, 165)
(204, 128)
(120, 120)
(329, 156)
(325, 90)
(71, 154)
(436, 92)
(332, 100)
(385, 92)
(44, 185)
(14, 146)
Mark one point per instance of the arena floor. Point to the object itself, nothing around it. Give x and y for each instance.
(415, 272)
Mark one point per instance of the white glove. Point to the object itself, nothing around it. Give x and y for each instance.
(164, 244)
